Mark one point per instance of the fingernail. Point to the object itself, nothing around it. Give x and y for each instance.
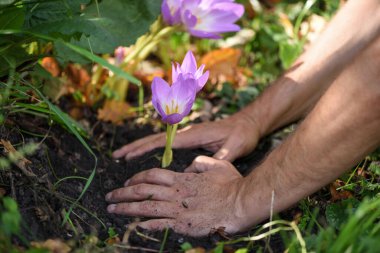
(126, 182)
(109, 196)
(129, 156)
(111, 208)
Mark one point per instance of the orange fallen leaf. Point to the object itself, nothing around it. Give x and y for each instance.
(115, 111)
(78, 76)
(222, 64)
(51, 65)
(338, 194)
(113, 240)
(147, 71)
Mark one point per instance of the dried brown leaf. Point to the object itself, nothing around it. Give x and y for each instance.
(115, 111)
(53, 245)
(222, 64)
(196, 250)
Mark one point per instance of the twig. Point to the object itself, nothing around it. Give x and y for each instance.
(21, 162)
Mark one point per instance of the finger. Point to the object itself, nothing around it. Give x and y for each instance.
(146, 147)
(232, 148)
(148, 208)
(153, 176)
(157, 224)
(202, 164)
(142, 145)
(155, 141)
(141, 192)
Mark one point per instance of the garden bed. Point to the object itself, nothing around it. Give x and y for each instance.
(61, 163)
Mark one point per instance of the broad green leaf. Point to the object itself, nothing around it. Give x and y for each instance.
(100, 27)
(6, 2)
(12, 17)
(338, 213)
(289, 52)
(45, 12)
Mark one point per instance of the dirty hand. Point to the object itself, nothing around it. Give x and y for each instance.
(203, 198)
(229, 138)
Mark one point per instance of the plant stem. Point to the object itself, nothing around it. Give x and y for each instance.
(168, 154)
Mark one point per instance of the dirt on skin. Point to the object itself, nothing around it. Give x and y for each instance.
(61, 162)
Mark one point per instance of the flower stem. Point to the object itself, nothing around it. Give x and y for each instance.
(168, 154)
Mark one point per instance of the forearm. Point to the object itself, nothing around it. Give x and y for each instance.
(341, 129)
(297, 91)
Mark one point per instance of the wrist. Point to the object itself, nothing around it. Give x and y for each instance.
(249, 117)
(253, 202)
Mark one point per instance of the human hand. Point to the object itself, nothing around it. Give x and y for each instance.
(204, 197)
(229, 139)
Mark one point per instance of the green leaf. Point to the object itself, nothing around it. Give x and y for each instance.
(289, 51)
(12, 17)
(65, 54)
(121, 22)
(6, 2)
(10, 218)
(45, 12)
(101, 27)
(186, 246)
(338, 213)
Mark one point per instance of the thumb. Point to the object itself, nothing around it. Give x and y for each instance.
(202, 164)
(229, 151)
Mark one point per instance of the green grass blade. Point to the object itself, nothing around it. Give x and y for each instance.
(68, 122)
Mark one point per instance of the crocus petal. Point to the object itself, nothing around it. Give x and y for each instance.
(175, 71)
(209, 18)
(189, 19)
(170, 10)
(166, 15)
(189, 64)
(199, 71)
(202, 81)
(236, 9)
(172, 118)
(182, 91)
(160, 93)
(203, 34)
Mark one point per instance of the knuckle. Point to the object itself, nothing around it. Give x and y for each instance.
(116, 193)
(225, 163)
(138, 189)
(152, 173)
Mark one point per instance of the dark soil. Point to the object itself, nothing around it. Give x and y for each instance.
(44, 204)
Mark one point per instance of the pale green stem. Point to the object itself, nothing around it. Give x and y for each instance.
(146, 43)
(168, 154)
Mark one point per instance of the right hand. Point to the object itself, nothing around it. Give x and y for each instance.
(229, 139)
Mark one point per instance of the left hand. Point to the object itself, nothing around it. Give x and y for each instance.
(204, 197)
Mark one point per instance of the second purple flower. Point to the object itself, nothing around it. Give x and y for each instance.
(203, 18)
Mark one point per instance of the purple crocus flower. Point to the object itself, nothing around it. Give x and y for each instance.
(174, 102)
(189, 70)
(203, 18)
(170, 10)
